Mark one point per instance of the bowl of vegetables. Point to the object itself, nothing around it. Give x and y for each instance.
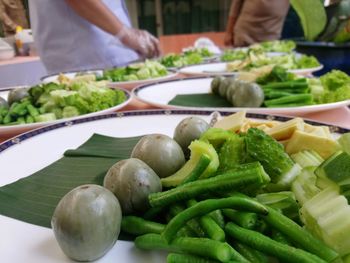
(25, 108)
(271, 90)
(124, 77)
(192, 56)
(136, 74)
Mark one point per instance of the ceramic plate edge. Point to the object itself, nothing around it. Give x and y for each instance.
(307, 108)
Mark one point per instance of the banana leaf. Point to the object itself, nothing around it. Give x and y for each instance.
(33, 199)
(200, 100)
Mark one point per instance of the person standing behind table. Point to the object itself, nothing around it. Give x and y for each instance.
(253, 21)
(12, 15)
(75, 35)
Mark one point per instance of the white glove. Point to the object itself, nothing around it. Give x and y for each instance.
(139, 40)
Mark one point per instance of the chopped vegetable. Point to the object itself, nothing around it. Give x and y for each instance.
(207, 206)
(276, 46)
(138, 226)
(344, 141)
(273, 248)
(192, 166)
(198, 246)
(325, 215)
(252, 175)
(278, 165)
(148, 69)
(232, 152)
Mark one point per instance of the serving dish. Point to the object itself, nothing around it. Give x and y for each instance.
(37, 244)
(11, 130)
(128, 85)
(220, 68)
(159, 95)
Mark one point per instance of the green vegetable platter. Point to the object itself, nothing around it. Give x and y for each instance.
(234, 67)
(280, 96)
(57, 158)
(270, 48)
(26, 108)
(192, 56)
(125, 77)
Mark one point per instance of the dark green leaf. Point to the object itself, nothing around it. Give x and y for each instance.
(33, 199)
(200, 100)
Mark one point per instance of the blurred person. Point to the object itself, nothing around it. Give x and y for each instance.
(253, 21)
(12, 15)
(74, 35)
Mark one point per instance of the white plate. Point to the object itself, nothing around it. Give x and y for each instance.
(161, 93)
(129, 85)
(71, 75)
(118, 84)
(209, 69)
(11, 130)
(23, 242)
(306, 71)
(220, 69)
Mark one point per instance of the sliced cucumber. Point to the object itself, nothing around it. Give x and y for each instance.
(307, 158)
(326, 215)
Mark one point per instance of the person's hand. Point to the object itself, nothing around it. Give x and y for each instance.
(228, 39)
(139, 40)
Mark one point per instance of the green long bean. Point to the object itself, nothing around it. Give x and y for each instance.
(244, 219)
(138, 226)
(209, 226)
(251, 254)
(193, 224)
(271, 247)
(207, 206)
(299, 236)
(184, 258)
(225, 182)
(203, 247)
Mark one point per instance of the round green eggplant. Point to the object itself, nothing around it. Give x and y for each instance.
(86, 222)
(131, 181)
(188, 130)
(162, 153)
(17, 94)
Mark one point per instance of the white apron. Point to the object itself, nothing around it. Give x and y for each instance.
(67, 42)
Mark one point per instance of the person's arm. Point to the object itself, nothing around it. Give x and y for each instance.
(5, 19)
(235, 9)
(97, 13)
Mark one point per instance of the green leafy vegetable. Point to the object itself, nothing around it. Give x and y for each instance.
(277, 74)
(146, 70)
(276, 46)
(232, 55)
(337, 86)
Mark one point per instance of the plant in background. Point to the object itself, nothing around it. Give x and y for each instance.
(324, 20)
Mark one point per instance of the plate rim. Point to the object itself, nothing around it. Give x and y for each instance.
(171, 73)
(295, 71)
(163, 112)
(137, 89)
